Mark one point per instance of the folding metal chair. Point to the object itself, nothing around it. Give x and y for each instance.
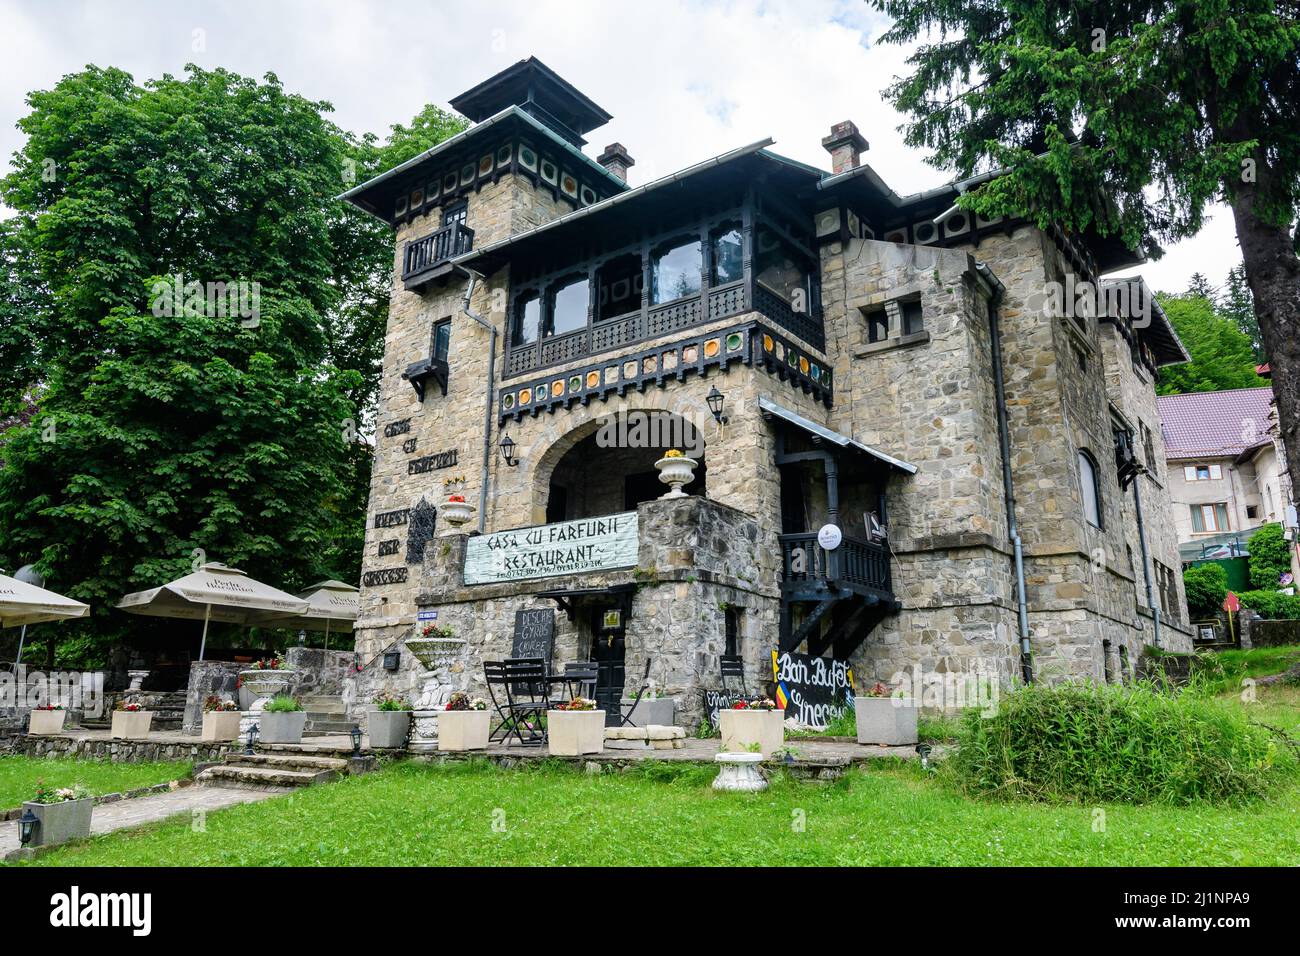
(733, 666)
(579, 679)
(521, 682)
(625, 720)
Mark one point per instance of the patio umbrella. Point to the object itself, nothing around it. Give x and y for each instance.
(214, 593)
(331, 605)
(23, 603)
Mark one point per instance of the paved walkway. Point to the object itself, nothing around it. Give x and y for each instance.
(140, 810)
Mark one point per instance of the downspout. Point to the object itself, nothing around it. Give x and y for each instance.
(491, 387)
(996, 290)
(1146, 560)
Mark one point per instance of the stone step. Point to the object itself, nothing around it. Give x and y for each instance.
(326, 725)
(323, 704)
(258, 778)
(288, 761)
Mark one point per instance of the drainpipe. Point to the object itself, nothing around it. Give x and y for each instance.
(491, 387)
(1146, 561)
(996, 290)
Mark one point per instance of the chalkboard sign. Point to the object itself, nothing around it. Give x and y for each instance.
(812, 690)
(534, 633)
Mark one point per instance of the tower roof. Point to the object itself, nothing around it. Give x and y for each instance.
(538, 90)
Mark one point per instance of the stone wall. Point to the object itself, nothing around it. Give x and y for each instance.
(208, 678)
(114, 751)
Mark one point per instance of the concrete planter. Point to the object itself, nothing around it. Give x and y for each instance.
(886, 720)
(743, 729)
(676, 472)
(131, 725)
(659, 711)
(282, 728)
(47, 721)
(572, 733)
(61, 822)
(388, 729)
(221, 725)
(463, 729)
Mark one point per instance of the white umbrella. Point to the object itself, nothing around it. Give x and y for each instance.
(22, 603)
(331, 605)
(214, 593)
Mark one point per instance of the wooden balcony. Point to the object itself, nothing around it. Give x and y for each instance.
(429, 258)
(856, 565)
(849, 587)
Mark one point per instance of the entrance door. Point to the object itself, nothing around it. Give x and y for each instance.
(607, 650)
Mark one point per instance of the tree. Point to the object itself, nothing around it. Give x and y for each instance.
(1127, 119)
(1270, 557)
(1198, 285)
(178, 418)
(1207, 586)
(1221, 352)
(1236, 303)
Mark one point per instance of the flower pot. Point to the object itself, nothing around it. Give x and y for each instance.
(742, 730)
(221, 725)
(659, 711)
(281, 728)
(47, 721)
(886, 720)
(676, 472)
(61, 822)
(456, 512)
(388, 729)
(464, 729)
(131, 725)
(268, 683)
(572, 733)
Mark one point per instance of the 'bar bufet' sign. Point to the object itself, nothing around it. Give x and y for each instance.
(549, 550)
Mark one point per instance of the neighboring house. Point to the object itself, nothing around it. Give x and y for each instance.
(838, 354)
(1227, 468)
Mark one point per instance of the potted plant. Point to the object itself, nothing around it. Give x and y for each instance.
(675, 470)
(884, 718)
(131, 722)
(464, 724)
(456, 510)
(752, 724)
(47, 719)
(388, 722)
(282, 721)
(575, 728)
(62, 814)
(220, 719)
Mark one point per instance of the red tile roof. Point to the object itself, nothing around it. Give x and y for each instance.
(1215, 424)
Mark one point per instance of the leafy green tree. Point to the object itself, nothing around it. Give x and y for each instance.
(1270, 557)
(1127, 119)
(1221, 353)
(1198, 285)
(1207, 586)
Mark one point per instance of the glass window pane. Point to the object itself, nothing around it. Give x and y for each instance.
(618, 284)
(441, 340)
(728, 257)
(1198, 519)
(569, 312)
(1216, 472)
(675, 272)
(781, 270)
(913, 317)
(1088, 478)
(528, 320)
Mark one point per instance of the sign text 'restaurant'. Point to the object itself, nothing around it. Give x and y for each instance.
(568, 547)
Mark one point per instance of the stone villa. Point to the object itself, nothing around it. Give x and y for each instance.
(906, 455)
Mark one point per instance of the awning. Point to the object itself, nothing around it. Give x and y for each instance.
(834, 437)
(568, 598)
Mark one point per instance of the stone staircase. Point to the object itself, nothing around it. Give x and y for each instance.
(168, 712)
(325, 715)
(273, 770)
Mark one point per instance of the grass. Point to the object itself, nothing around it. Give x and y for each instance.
(476, 815)
(18, 776)
(1220, 671)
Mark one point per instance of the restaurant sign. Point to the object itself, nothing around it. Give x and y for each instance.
(550, 550)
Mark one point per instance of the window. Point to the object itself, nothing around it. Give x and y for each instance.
(781, 269)
(528, 319)
(455, 214)
(1091, 497)
(731, 631)
(877, 326)
(569, 307)
(1149, 449)
(1168, 587)
(1209, 518)
(619, 283)
(728, 255)
(913, 319)
(1202, 472)
(441, 339)
(675, 272)
(1252, 511)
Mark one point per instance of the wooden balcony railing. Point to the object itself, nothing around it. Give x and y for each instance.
(855, 562)
(426, 255)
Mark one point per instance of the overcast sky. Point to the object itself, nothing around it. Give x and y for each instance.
(684, 80)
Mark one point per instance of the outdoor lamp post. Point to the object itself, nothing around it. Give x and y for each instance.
(508, 451)
(248, 750)
(924, 751)
(356, 740)
(27, 825)
(716, 400)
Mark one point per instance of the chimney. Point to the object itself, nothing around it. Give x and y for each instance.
(846, 145)
(616, 160)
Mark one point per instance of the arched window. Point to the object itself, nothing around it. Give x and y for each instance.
(1091, 495)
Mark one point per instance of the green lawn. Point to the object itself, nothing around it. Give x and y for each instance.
(410, 814)
(18, 776)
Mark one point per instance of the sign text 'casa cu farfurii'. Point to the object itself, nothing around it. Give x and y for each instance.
(568, 547)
